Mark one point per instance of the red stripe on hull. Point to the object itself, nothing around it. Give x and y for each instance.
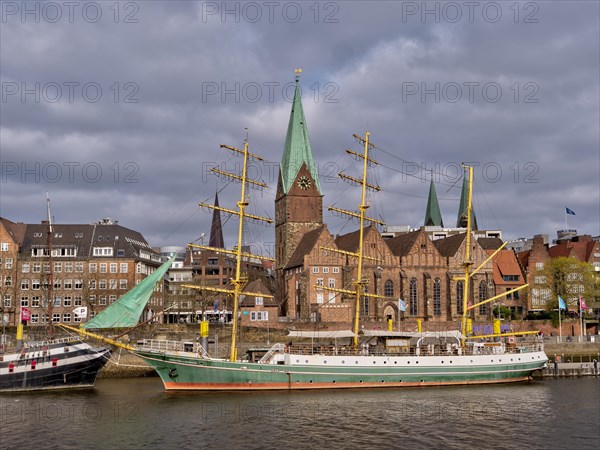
(171, 386)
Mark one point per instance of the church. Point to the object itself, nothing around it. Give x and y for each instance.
(417, 266)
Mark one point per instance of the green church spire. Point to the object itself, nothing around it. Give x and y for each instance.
(433, 215)
(297, 150)
(461, 221)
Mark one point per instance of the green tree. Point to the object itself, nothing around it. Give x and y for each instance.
(568, 278)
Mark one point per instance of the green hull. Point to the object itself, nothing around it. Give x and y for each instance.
(183, 372)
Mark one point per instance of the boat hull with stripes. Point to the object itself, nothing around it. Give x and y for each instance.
(64, 364)
(181, 371)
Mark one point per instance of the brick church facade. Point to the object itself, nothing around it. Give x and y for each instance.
(410, 266)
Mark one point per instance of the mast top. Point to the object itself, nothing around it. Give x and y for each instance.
(297, 72)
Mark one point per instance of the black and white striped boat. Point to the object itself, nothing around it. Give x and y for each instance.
(64, 363)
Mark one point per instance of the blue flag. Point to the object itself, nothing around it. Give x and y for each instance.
(561, 303)
(401, 305)
(570, 211)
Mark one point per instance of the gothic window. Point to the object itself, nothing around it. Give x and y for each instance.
(388, 288)
(437, 297)
(413, 298)
(483, 309)
(460, 289)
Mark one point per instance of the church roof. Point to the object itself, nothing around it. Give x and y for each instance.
(305, 245)
(400, 245)
(450, 245)
(433, 215)
(490, 243)
(216, 229)
(297, 150)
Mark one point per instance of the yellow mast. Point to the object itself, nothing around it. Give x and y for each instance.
(240, 280)
(467, 263)
(359, 283)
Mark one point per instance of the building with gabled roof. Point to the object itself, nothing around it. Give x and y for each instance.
(90, 265)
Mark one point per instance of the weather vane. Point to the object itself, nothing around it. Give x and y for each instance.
(297, 72)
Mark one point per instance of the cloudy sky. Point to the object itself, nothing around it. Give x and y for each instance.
(118, 110)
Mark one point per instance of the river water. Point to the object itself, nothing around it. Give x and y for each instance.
(136, 413)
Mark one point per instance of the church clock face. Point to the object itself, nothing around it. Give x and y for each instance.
(304, 183)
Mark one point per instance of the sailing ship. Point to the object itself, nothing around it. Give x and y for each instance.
(446, 358)
(55, 363)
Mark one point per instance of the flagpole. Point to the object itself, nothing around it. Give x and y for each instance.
(566, 223)
(580, 317)
(559, 323)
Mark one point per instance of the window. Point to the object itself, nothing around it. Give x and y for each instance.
(103, 267)
(336, 270)
(9, 263)
(331, 297)
(79, 267)
(103, 251)
(319, 281)
(102, 300)
(413, 298)
(112, 299)
(258, 301)
(25, 267)
(68, 267)
(113, 267)
(35, 318)
(510, 277)
(37, 267)
(93, 267)
(35, 301)
(77, 301)
(539, 266)
(35, 285)
(7, 300)
(57, 301)
(112, 284)
(57, 267)
(5, 246)
(46, 267)
(24, 285)
(325, 269)
(68, 284)
(8, 281)
(57, 284)
(92, 284)
(388, 288)
(78, 285)
(319, 297)
(67, 301)
(259, 316)
(315, 270)
(331, 282)
(483, 309)
(92, 299)
(539, 279)
(437, 297)
(460, 289)
(25, 301)
(55, 317)
(66, 317)
(123, 267)
(122, 284)
(45, 318)
(102, 284)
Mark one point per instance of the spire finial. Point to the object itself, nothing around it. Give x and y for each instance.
(297, 72)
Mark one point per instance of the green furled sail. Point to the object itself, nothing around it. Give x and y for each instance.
(126, 311)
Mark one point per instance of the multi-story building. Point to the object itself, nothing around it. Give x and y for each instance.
(65, 266)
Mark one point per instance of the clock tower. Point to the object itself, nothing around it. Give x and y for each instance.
(298, 201)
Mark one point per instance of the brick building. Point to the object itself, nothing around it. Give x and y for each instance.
(73, 265)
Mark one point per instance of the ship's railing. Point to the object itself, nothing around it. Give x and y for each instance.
(164, 346)
(424, 350)
(63, 340)
(277, 348)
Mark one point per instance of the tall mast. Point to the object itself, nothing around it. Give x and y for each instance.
(240, 279)
(50, 272)
(359, 283)
(467, 263)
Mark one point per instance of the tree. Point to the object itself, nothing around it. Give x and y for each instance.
(568, 278)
